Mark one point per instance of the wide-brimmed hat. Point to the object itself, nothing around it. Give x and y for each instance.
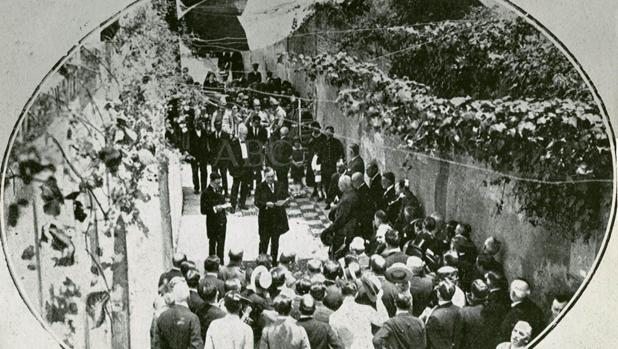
(398, 273)
(260, 277)
(370, 286)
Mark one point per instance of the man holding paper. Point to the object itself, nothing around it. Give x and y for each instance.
(212, 204)
(271, 199)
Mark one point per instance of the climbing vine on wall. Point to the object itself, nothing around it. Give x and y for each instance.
(550, 143)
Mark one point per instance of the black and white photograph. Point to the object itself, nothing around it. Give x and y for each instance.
(308, 174)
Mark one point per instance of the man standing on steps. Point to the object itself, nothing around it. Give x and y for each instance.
(212, 204)
(221, 152)
(271, 199)
(240, 169)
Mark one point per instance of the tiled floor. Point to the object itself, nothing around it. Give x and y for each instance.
(307, 219)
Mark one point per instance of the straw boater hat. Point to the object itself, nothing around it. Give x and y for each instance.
(398, 273)
(260, 277)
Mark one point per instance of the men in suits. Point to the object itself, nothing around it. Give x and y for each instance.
(212, 205)
(366, 203)
(475, 330)
(444, 324)
(392, 253)
(332, 192)
(331, 152)
(240, 170)
(280, 157)
(421, 285)
(209, 311)
(389, 198)
(320, 334)
(220, 146)
(234, 269)
(344, 219)
(270, 199)
(402, 331)
(498, 303)
(375, 184)
(356, 163)
(193, 280)
(522, 309)
(257, 136)
(199, 150)
(254, 76)
(211, 273)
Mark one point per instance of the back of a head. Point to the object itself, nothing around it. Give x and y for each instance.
(429, 224)
(303, 286)
(392, 238)
(180, 290)
(287, 258)
(265, 260)
(446, 290)
(520, 290)
(416, 265)
(232, 285)
(185, 266)
(235, 255)
(381, 216)
(492, 246)
(377, 264)
(318, 291)
(307, 305)
(495, 279)
(178, 258)
(331, 270)
(207, 290)
(278, 276)
(358, 179)
(478, 292)
(282, 305)
(390, 176)
(403, 301)
(193, 278)
(349, 289)
(211, 264)
(345, 183)
(314, 266)
(232, 302)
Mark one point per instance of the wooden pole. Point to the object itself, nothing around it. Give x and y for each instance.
(121, 334)
(37, 254)
(166, 220)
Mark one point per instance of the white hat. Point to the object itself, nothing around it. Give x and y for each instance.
(260, 277)
(357, 244)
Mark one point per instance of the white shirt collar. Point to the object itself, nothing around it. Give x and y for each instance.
(515, 304)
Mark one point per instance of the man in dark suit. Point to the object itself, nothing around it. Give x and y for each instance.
(177, 261)
(220, 146)
(212, 205)
(522, 309)
(257, 137)
(270, 199)
(254, 76)
(498, 303)
(193, 280)
(235, 269)
(199, 150)
(344, 219)
(209, 311)
(367, 207)
(280, 157)
(211, 273)
(332, 192)
(390, 196)
(331, 152)
(356, 163)
(240, 169)
(402, 331)
(475, 331)
(421, 285)
(392, 253)
(178, 327)
(375, 184)
(321, 335)
(444, 324)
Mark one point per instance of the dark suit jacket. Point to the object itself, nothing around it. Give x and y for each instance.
(254, 76)
(240, 167)
(195, 302)
(401, 332)
(321, 335)
(444, 327)
(356, 165)
(421, 288)
(178, 328)
(524, 311)
(475, 330)
(215, 221)
(388, 198)
(221, 149)
(256, 142)
(199, 146)
(208, 313)
(330, 152)
(392, 257)
(367, 208)
(271, 221)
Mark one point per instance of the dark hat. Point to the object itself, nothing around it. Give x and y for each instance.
(278, 277)
(478, 291)
(398, 273)
(370, 286)
(287, 257)
(193, 277)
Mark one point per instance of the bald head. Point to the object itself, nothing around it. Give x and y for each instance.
(284, 131)
(345, 184)
(357, 180)
(520, 290)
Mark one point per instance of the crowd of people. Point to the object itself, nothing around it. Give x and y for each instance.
(395, 277)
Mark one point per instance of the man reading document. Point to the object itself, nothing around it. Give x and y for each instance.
(212, 204)
(271, 199)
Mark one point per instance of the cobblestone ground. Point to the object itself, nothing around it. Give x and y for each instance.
(306, 219)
